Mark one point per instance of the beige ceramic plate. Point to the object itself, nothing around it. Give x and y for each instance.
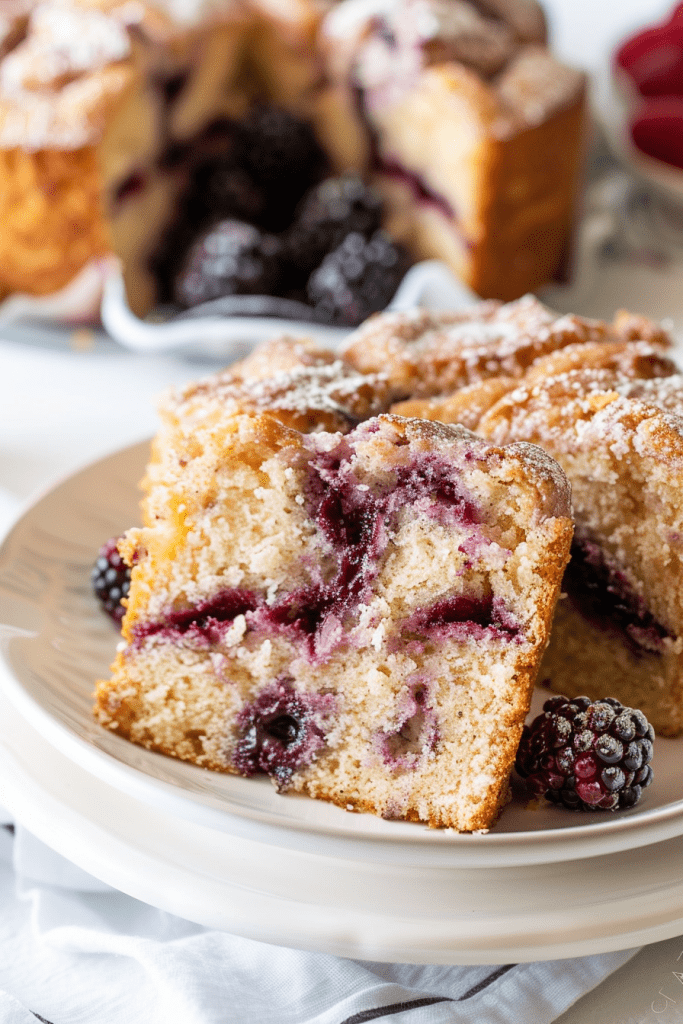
(57, 642)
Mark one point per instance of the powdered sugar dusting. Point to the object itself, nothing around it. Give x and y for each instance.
(331, 396)
(431, 353)
(64, 42)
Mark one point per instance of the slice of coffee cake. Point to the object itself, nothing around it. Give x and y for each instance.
(359, 616)
(619, 627)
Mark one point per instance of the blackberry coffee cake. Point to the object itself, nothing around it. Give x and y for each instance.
(360, 615)
(108, 109)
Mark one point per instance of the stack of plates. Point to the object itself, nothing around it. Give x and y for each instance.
(231, 853)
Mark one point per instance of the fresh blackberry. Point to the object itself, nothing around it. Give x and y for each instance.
(111, 579)
(327, 214)
(358, 278)
(283, 157)
(231, 258)
(587, 755)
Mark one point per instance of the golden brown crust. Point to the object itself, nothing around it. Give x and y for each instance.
(466, 406)
(632, 359)
(294, 380)
(52, 218)
(429, 353)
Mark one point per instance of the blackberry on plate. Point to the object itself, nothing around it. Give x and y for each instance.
(330, 211)
(587, 755)
(358, 278)
(111, 579)
(231, 258)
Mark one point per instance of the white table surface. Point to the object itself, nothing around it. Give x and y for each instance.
(68, 402)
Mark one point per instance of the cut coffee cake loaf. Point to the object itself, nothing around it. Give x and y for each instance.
(360, 616)
(619, 627)
(472, 130)
(110, 109)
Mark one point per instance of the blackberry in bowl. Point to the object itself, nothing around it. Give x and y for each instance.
(327, 214)
(587, 755)
(231, 258)
(357, 279)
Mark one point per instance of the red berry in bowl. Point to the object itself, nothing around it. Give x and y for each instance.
(587, 755)
(658, 129)
(654, 60)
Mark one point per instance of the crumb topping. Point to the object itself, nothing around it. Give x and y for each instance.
(431, 353)
(328, 396)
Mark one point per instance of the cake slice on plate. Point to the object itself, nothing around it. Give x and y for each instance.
(619, 627)
(360, 616)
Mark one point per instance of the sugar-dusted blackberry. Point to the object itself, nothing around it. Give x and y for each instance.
(327, 214)
(587, 755)
(283, 157)
(111, 579)
(358, 278)
(231, 258)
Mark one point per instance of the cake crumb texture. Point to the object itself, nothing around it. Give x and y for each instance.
(360, 615)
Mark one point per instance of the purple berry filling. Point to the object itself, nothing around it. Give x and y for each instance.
(171, 87)
(353, 519)
(463, 617)
(605, 598)
(206, 622)
(281, 732)
(420, 191)
(130, 187)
